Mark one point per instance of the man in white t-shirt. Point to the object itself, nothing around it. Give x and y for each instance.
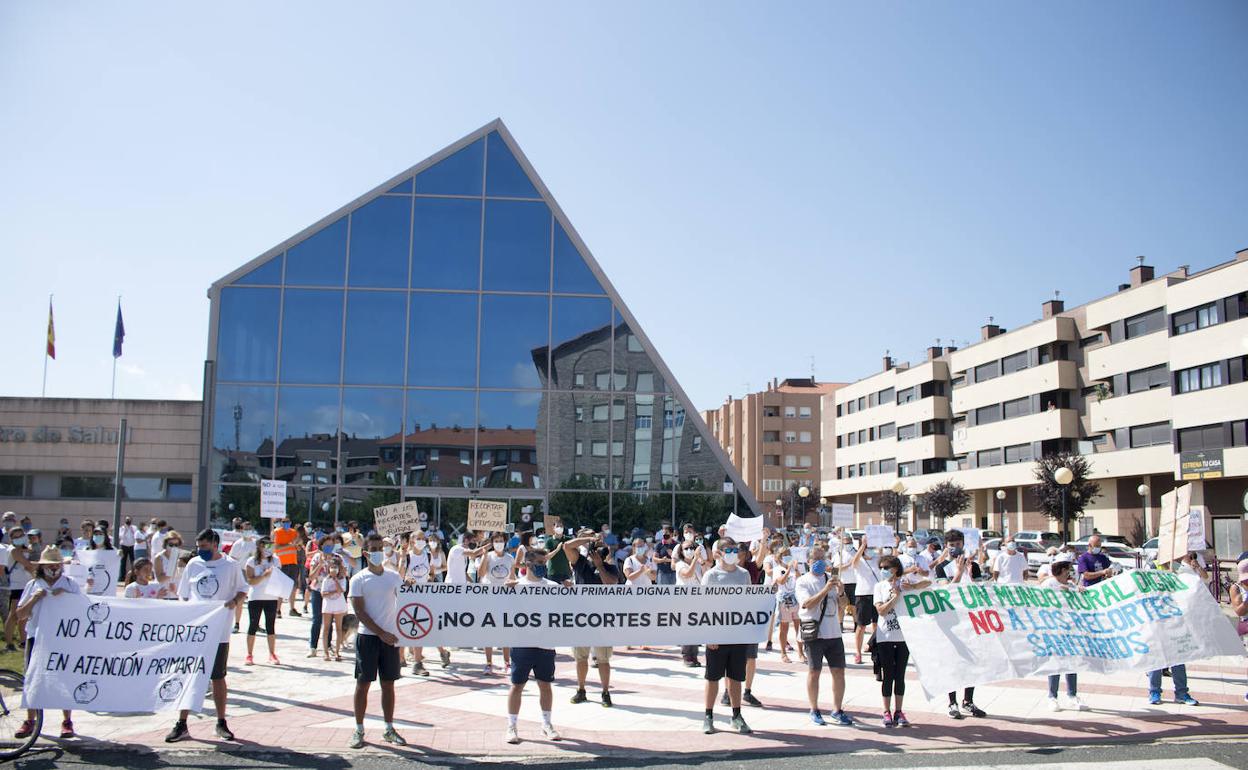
(1010, 565)
(866, 566)
(819, 597)
(158, 537)
(126, 536)
(210, 577)
(374, 600)
(458, 557)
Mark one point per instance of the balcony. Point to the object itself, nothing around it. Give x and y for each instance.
(1042, 426)
(1205, 407)
(1055, 375)
(922, 448)
(1131, 409)
(1212, 343)
(930, 408)
(1127, 356)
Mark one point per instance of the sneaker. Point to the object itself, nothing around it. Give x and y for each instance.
(1154, 699)
(740, 726)
(842, 719)
(887, 721)
(236, 628)
(67, 729)
(28, 727)
(691, 664)
(708, 725)
(1054, 705)
(418, 669)
(975, 711)
(446, 657)
(512, 735)
(489, 669)
(1075, 703)
(1187, 701)
(768, 648)
(954, 711)
(723, 699)
(357, 739)
(817, 718)
(392, 736)
(606, 700)
(250, 661)
(179, 732)
(748, 697)
(312, 653)
(223, 731)
(900, 719)
(273, 661)
(294, 613)
(579, 697)
(551, 733)
(10, 648)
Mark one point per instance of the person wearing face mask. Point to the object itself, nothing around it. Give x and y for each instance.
(100, 541)
(418, 567)
(866, 566)
(166, 563)
(890, 644)
(818, 596)
(590, 559)
(286, 551)
(665, 570)
(784, 577)
(257, 572)
(437, 560)
(557, 563)
(639, 570)
(954, 565)
(211, 578)
(909, 557)
(538, 661)
(1094, 566)
(1062, 579)
(374, 599)
(126, 535)
(726, 660)
(317, 563)
(840, 558)
(496, 568)
(689, 558)
(16, 557)
(332, 585)
(49, 580)
(458, 558)
(1010, 565)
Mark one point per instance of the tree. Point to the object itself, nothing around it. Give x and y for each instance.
(892, 504)
(948, 498)
(1078, 494)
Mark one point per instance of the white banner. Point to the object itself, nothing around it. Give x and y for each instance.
(968, 635)
(122, 655)
(528, 615)
(744, 530)
(100, 567)
(272, 499)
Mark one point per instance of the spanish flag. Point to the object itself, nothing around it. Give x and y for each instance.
(51, 333)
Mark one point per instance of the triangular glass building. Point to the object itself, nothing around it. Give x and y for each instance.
(448, 336)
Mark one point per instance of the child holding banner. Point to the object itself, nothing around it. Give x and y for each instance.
(49, 580)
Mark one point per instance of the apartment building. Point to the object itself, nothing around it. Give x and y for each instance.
(773, 437)
(1148, 383)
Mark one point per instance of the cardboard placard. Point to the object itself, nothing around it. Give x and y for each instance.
(879, 535)
(272, 499)
(1173, 529)
(842, 515)
(549, 523)
(395, 519)
(487, 515)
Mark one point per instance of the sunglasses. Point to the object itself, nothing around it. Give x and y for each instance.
(732, 550)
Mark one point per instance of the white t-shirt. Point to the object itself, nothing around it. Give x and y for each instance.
(158, 540)
(926, 559)
(242, 549)
(381, 598)
(418, 567)
(18, 576)
(62, 582)
(770, 566)
(435, 563)
(692, 580)
(632, 564)
(498, 569)
(830, 622)
(457, 565)
(256, 592)
(888, 629)
(1010, 568)
(136, 591)
(217, 581)
(867, 572)
(126, 535)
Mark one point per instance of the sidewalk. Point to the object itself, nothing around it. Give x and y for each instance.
(305, 705)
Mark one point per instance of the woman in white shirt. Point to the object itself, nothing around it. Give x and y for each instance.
(166, 564)
(784, 578)
(1062, 579)
(49, 580)
(497, 567)
(638, 569)
(890, 644)
(256, 572)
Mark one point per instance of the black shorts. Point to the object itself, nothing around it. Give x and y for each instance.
(526, 660)
(374, 658)
(15, 594)
(218, 664)
(727, 660)
(291, 571)
(864, 610)
(831, 650)
(751, 652)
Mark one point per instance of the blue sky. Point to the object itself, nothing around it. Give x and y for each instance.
(762, 182)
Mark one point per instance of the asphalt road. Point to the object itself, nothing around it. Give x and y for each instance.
(1233, 753)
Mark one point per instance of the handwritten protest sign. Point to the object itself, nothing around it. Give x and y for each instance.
(122, 655)
(530, 615)
(487, 515)
(272, 499)
(1175, 528)
(397, 519)
(879, 535)
(968, 635)
(842, 515)
(971, 538)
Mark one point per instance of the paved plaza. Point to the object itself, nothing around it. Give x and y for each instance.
(458, 713)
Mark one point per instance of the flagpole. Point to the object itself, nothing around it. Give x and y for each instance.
(44, 392)
(112, 393)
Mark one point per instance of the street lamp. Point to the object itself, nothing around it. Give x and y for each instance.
(780, 510)
(803, 492)
(898, 488)
(1143, 490)
(1063, 477)
(1005, 528)
(823, 512)
(914, 511)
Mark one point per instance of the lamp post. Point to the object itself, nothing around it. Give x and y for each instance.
(1063, 477)
(780, 510)
(1005, 528)
(803, 492)
(823, 512)
(914, 511)
(1143, 490)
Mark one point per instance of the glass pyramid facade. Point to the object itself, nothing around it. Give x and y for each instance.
(444, 337)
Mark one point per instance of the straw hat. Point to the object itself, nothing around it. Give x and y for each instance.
(51, 555)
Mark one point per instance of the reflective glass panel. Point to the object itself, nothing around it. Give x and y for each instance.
(580, 332)
(517, 246)
(580, 509)
(443, 340)
(639, 432)
(380, 234)
(439, 429)
(572, 274)
(247, 334)
(688, 458)
(402, 188)
(372, 431)
(458, 174)
(647, 511)
(634, 368)
(504, 176)
(703, 510)
(270, 274)
(230, 500)
(307, 434)
(446, 250)
(375, 334)
(509, 451)
(320, 259)
(579, 437)
(242, 433)
(311, 336)
(513, 340)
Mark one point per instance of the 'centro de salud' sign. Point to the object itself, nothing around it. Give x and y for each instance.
(74, 434)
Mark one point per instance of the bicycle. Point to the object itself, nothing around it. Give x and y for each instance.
(12, 715)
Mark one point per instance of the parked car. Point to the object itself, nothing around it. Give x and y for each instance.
(989, 534)
(1121, 555)
(993, 547)
(923, 535)
(1037, 538)
(1148, 551)
(1105, 540)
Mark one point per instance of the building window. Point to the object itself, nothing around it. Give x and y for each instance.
(988, 458)
(598, 448)
(617, 410)
(773, 485)
(1153, 434)
(600, 412)
(771, 435)
(790, 411)
(887, 430)
(1018, 407)
(644, 421)
(803, 461)
(434, 454)
(580, 449)
(987, 414)
(12, 486)
(1147, 379)
(1014, 363)
(617, 448)
(697, 444)
(1201, 437)
(464, 457)
(804, 437)
(771, 411)
(1199, 378)
(907, 469)
(907, 395)
(887, 396)
(862, 437)
(850, 470)
(907, 432)
(803, 412)
(1196, 318)
(87, 487)
(771, 460)
(1020, 453)
(634, 344)
(987, 371)
(579, 379)
(790, 437)
(178, 489)
(1145, 323)
(790, 461)
(1091, 339)
(888, 465)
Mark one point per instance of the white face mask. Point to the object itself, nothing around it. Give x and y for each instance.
(731, 558)
(558, 530)
(387, 550)
(641, 549)
(498, 547)
(418, 545)
(583, 551)
(1011, 547)
(688, 537)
